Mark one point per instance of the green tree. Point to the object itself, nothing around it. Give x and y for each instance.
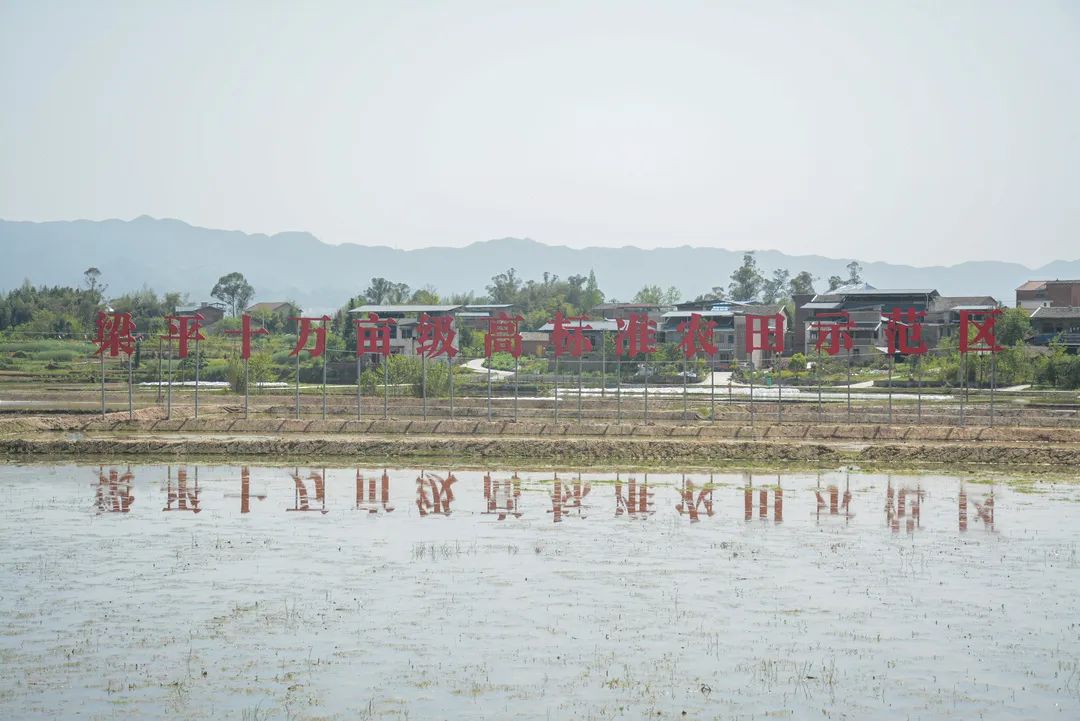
(234, 291)
(1013, 327)
(802, 284)
(92, 280)
(650, 295)
(382, 291)
(505, 287)
(746, 281)
(592, 295)
(774, 289)
(425, 296)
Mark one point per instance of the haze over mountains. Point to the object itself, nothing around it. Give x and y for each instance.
(167, 254)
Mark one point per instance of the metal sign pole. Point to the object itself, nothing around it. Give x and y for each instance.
(779, 390)
(993, 384)
(450, 367)
(516, 368)
(918, 381)
(102, 383)
(646, 390)
(712, 390)
(386, 387)
(685, 401)
(892, 361)
(579, 375)
(618, 389)
(168, 398)
(849, 386)
(359, 373)
(159, 369)
(198, 359)
(423, 384)
(131, 411)
(603, 364)
(556, 387)
(247, 388)
(963, 383)
(489, 389)
(817, 381)
(325, 353)
(751, 389)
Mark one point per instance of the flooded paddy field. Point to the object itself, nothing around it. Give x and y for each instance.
(257, 592)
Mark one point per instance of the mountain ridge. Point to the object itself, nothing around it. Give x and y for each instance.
(296, 265)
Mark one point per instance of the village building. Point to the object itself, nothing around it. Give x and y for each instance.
(729, 334)
(1048, 294)
(403, 337)
(211, 312)
(1057, 324)
(867, 308)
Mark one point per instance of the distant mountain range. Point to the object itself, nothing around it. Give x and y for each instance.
(169, 254)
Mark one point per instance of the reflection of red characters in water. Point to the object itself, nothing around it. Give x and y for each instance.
(113, 491)
(637, 503)
(434, 494)
(903, 503)
(371, 505)
(834, 504)
(301, 499)
(502, 498)
(245, 491)
(566, 498)
(763, 501)
(984, 511)
(186, 497)
(689, 505)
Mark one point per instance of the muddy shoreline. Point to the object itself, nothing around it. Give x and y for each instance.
(149, 435)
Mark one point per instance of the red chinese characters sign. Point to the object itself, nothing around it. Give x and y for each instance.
(765, 333)
(115, 334)
(245, 332)
(373, 335)
(636, 336)
(504, 335)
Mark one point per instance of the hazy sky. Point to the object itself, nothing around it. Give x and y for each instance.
(920, 132)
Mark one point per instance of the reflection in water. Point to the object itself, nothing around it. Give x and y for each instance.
(245, 491)
(185, 497)
(566, 498)
(763, 500)
(371, 505)
(113, 491)
(835, 505)
(903, 503)
(301, 500)
(502, 498)
(984, 510)
(434, 494)
(691, 506)
(638, 501)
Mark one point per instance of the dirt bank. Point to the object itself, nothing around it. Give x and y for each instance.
(571, 449)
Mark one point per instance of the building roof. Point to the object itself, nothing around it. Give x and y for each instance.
(1062, 311)
(1032, 285)
(405, 309)
(193, 307)
(268, 306)
(884, 291)
(620, 306)
(702, 313)
(595, 325)
(534, 336)
(488, 306)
